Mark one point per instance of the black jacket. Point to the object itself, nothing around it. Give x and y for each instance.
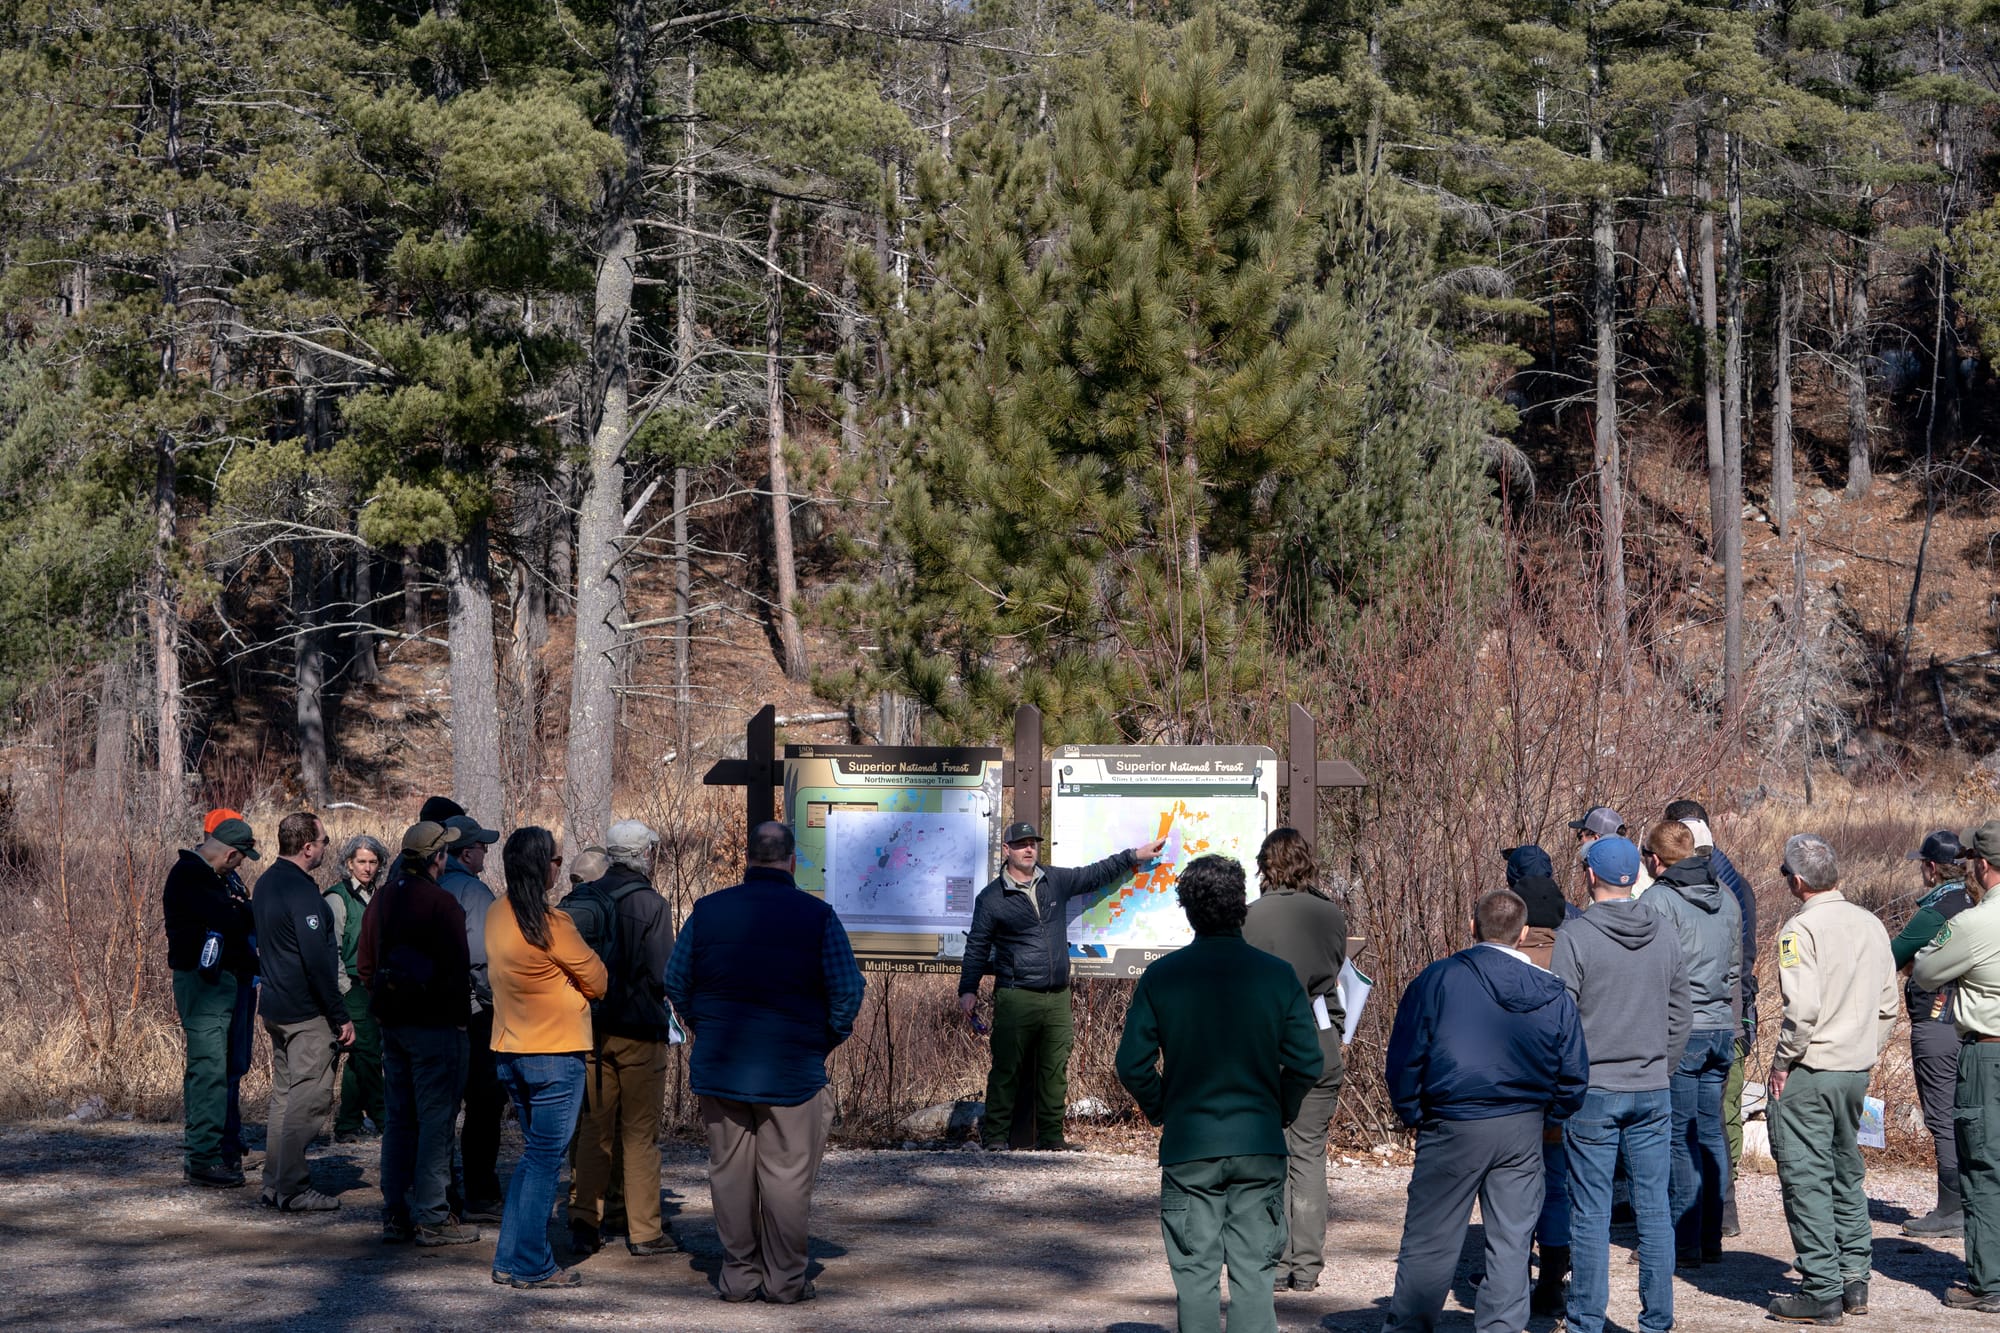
(1021, 936)
(196, 901)
(296, 947)
(413, 957)
(636, 1005)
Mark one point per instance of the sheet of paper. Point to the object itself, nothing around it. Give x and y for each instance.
(1354, 990)
(1320, 1016)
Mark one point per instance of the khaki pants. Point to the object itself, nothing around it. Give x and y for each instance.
(624, 1088)
(301, 1095)
(761, 1164)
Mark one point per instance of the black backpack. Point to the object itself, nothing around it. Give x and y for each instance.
(594, 910)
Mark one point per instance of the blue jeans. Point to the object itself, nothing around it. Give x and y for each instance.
(1701, 1152)
(423, 1069)
(547, 1091)
(1552, 1229)
(1610, 1126)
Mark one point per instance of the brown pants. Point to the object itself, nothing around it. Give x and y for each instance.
(301, 1095)
(761, 1164)
(624, 1087)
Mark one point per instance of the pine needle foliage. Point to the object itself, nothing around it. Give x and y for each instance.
(1139, 379)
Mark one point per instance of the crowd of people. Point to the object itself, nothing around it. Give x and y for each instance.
(446, 1003)
(1576, 1047)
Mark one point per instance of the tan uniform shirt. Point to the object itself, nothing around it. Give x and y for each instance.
(1966, 956)
(1839, 982)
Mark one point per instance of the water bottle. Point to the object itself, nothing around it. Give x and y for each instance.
(211, 956)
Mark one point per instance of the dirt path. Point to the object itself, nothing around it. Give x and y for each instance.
(99, 1233)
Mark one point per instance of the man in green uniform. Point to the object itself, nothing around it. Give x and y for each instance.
(1839, 983)
(1966, 957)
(208, 949)
(1220, 1048)
(1933, 1027)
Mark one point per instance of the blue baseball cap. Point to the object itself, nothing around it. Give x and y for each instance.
(1614, 860)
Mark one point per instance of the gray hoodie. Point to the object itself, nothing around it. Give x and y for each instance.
(1631, 990)
(1709, 925)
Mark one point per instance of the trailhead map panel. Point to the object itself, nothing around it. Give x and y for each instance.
(1201, 799)
(898, 840)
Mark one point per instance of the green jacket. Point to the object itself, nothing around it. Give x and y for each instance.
(347, 908)
(1219, 1047)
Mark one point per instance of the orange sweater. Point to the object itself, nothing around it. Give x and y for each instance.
(541, 997)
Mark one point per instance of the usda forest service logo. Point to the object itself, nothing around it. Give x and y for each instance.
(312, 922)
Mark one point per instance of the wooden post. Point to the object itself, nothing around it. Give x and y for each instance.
(760, 737)
(1026, 775)
(1302, 792)
(757, 772)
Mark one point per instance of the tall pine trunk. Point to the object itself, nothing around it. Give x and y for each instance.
(1604, 315)
(308, 673)
(684, 357)
(595, 669)
(1784, 495)
(1731, 531)
(163, 610)
(784, 564)
(111, 756)
(1711, 383)
(475, 696)
(1860, 465)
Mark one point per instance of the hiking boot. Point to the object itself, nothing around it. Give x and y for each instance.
(584, 1240)
(1300, 1282)
(1799, 1308)
(1060, 1145)
(397, 1231)
(1964, 1298)
(214, 1177)
(1942, 1222)
(756, 1294)
(481, 1210)
(308, 1200)
(451, 1231)
(1548, 1296)
(995, 1145)
(561, 1278)
(806, 1293)
(1854, 1297)
(644, 1249)
(1688, 1258)
(269, 1198)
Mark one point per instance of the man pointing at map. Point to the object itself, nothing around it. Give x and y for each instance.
(1019, 935)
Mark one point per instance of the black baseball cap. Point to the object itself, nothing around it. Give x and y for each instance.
(469, 831)
(437, 809)
(1942, 847)
(1021, 832)
(236, 833)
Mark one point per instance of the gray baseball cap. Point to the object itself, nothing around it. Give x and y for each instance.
(1600, 821)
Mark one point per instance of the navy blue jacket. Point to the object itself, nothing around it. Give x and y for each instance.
(764, 980)
(1729, 877)
(1512, 1042)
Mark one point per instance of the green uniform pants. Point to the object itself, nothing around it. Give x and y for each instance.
(1976, 1119)
(1305, 1171)
(1820, 1174)
(1732, 1108)
(1024, 1019)
(205, 1007)
(1224, 1212)
(361, 1087)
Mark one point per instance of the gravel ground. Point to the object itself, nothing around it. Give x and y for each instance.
(99, 1233)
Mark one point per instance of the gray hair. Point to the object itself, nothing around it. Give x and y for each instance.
(1811, 860)
(361, 842)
